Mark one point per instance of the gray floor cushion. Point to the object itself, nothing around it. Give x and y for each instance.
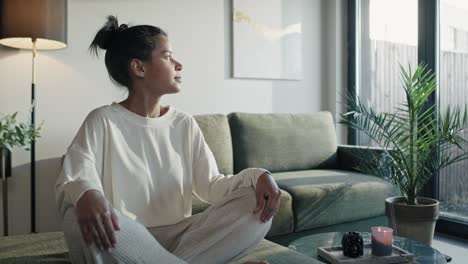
(34, 248)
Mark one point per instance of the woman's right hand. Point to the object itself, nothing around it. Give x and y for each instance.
(97, 220)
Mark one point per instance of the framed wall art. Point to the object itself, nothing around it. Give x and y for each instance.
(267, 39)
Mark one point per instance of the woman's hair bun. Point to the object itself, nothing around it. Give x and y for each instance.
(123, 27)
(106, 34)
(122, 44)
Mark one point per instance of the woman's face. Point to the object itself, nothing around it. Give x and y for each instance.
(162, 71)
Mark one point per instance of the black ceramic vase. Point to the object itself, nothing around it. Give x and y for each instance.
(352, 244)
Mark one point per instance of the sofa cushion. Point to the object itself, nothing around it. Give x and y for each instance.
(275, 254)
(283, 142)
(215, 128)
(327, 197)
(198, 205)
(283, 222)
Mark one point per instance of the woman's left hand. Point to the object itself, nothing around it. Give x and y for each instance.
(268, 197)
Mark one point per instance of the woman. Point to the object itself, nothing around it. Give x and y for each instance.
(145, 160)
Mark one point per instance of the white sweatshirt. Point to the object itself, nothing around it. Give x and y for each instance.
(146, 167)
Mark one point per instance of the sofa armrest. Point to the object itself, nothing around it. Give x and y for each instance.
(349, 156)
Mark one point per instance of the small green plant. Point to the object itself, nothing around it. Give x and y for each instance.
(416, 140)
(16, 134)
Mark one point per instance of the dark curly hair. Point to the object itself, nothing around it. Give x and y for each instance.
(122, 44)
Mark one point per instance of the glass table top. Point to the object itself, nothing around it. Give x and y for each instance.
(423, 254)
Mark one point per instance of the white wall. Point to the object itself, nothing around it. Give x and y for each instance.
(70, 82)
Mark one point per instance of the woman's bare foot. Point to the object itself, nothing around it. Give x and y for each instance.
(256, 262)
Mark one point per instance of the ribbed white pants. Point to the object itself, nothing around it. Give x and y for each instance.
(223, 232)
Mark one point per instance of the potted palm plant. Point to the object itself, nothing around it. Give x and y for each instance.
(416, 142)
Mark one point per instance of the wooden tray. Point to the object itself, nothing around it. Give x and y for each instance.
(334, 255)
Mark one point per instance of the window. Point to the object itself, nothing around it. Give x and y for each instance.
(384, 44)
(453, 180)
(384, 34)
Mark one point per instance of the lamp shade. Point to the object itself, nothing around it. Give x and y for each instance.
(21, 21)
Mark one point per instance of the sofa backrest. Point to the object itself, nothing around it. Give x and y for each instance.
(283, 142)
(215, 128)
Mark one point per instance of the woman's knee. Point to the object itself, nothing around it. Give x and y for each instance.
(262, 227)
(246, 198)
(239, 205)
(82, 252)
(253, 221)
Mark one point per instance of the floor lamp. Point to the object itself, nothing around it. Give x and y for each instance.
(33, 25)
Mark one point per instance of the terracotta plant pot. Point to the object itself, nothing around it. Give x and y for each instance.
(416, 222)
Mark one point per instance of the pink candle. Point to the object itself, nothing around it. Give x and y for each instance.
(382, 240)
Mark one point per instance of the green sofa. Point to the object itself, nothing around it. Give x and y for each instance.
(319, 190)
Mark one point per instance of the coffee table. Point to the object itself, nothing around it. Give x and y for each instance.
(423, 254)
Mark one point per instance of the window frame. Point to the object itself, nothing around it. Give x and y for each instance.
(428, 52)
